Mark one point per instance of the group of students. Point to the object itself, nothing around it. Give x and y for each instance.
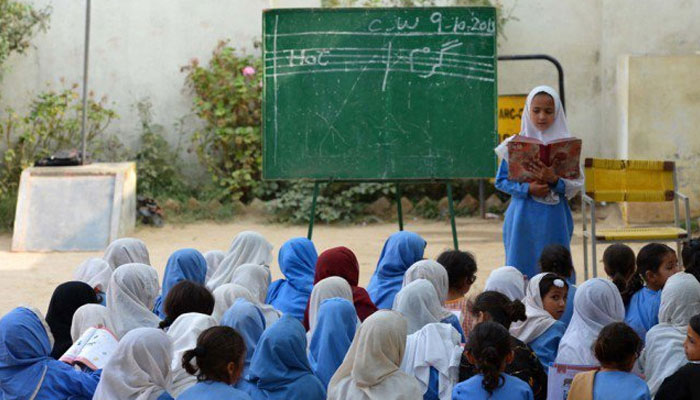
(217, 327)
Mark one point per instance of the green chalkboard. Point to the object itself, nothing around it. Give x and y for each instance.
(381, 93)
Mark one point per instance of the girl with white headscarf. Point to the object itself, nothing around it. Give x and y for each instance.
(328, 288)
(256, 278)
(664, 354)
(89, 316)
(248, 247)
(126, 251)
(371, 368)
(184, 333)
(213, 258)
(226, 295)
(139, 369)
(538, 214)
(96, 272)
(541, 330)
(419, 303)
(597, 303)
(131, 295)
(436, 274)
(507, 280)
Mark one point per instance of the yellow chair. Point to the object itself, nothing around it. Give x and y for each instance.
(630, 181)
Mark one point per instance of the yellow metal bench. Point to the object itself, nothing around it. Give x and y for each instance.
(609, 180)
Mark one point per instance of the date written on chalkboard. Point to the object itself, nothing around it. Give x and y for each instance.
(441, 24)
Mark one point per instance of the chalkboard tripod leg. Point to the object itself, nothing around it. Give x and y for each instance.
(450, 203)
(398, 205)
(313, 210)
(482, 201)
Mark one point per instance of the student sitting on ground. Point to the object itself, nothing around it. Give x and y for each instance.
(461, 274)
(556, 259)
(186, 297)
(620, 265)
(683, 384)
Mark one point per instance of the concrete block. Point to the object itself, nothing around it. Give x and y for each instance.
(81, 208)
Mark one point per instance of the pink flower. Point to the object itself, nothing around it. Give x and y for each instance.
(248, 71)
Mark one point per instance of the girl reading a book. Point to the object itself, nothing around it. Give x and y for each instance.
(538, 214)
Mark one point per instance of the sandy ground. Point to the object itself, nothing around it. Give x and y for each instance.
(30, 278)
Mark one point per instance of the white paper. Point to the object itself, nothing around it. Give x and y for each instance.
(94, 348)
(560, 377)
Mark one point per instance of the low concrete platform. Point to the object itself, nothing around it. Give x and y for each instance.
(80, 208)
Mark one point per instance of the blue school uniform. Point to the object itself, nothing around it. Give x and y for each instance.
(26, 367)
(547, 344)
(212, 390)
(335, 329)
(400, 251)
(512, 389)
(454, 321)
(249, 322)
(184, 264)
(613, 385)
(569, 311)
(529, 225)
(297, 260)
(643, 311)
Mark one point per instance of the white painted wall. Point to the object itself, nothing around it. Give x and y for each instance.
(139, 46)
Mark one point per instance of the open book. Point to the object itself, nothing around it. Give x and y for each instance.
(562, 154)
(93, 349)
(559, 378)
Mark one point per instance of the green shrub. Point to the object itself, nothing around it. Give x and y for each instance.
(18, 23)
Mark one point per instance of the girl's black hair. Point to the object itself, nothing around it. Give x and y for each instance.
(619, 263)
(547, 283)
(616, 343)
(689, 249)
(460, 266)
(185, 297)
(695, 323)
(556, 258)
(489, 343)
(650, 258)
(216, 348)
(499, 307)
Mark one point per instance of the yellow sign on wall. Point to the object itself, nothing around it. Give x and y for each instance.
(510, 111)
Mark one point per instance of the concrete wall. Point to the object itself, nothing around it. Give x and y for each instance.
(138, 48)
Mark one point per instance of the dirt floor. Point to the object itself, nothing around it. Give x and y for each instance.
(30, 278)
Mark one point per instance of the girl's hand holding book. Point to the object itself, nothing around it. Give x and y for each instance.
(538, 189)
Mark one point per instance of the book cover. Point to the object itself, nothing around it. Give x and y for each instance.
(93, 349)
(563, 154)
(559, 379)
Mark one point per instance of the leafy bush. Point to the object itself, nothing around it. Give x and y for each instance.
(18, 23)
(228, 97)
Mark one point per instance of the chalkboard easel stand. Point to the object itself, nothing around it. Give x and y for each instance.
(450, 202)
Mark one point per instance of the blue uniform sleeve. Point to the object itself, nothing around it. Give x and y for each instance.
(433, 392)
(62, 381)
(515, 189)
(165, 396)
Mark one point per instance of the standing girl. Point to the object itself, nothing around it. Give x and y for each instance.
(538, 213)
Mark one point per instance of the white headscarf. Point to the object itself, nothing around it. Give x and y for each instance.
(558, 130)
(225, 295)
(333, 286)
(247, 248)
(256, 278)
(126, 251)
(213, 259)
(435, 345)
(96, 272)
(370, 369)
(664, 354)
(89, 316)
(419, 303)
(130, 298)
(434, 272)
(538, 319)
(184, 333)
(597, 303)
(508, 281)
(139, 369)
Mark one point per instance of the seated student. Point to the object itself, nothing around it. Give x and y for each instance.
(226, 295)
(370, 370)
(331, 287)
(139, 368)
(219, 355)
(683, 384)
(96, 272)
(620, 265)
(461, 274)
(507, 280)
(556, 259)
(400, 251)
(126, 251)
(186, 297)
(131, 296)
(184, 264)
(89, 316)
(616, 348)
(297, 261)
(436, 274)
(184, 333)
(213, 258)
(419, 303)
(656, 263)
(664, 354)
(691, 257)
(545, 302)
(496, 307)
(597, 304)
(246, 319)
(490, 349)
(335, 328)
(256, 278)
(66, 299)
(26, 369)
(280, 368)
(248, 247)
